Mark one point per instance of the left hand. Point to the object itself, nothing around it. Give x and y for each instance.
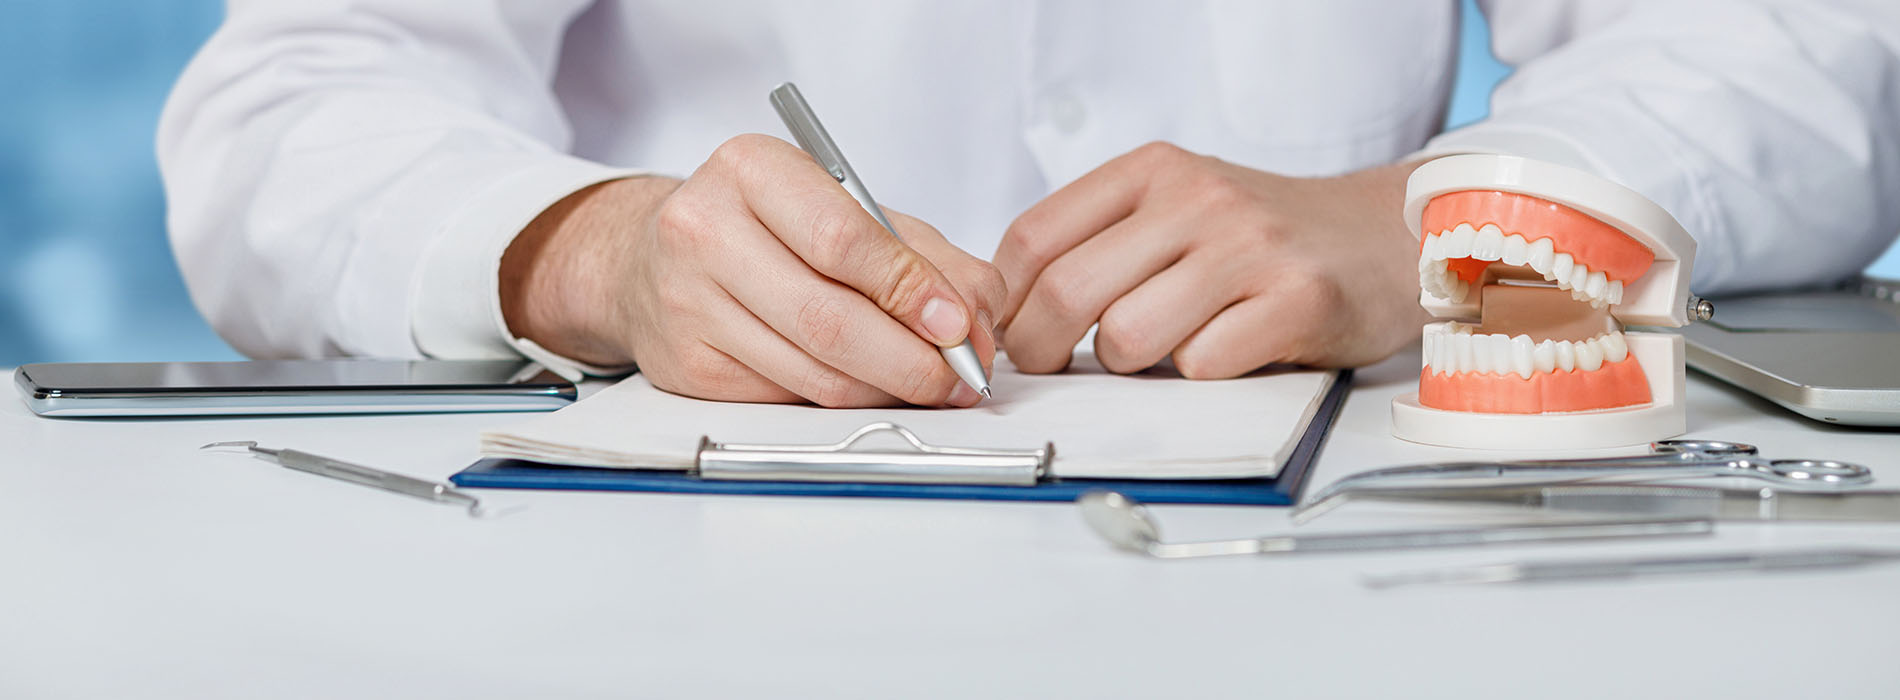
(1225, 268)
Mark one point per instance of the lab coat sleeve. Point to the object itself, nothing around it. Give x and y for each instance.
(1771, 130)
(344, 176)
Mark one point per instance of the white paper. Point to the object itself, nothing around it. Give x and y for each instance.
(1147, 425)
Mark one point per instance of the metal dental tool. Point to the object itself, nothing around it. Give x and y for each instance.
(359, 474)
(1127, 525)
(1668, 459)
(1656, 501)
(1615, 569)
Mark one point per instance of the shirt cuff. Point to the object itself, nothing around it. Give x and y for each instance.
(457, 309)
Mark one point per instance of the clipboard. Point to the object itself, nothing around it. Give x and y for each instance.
(914, 470)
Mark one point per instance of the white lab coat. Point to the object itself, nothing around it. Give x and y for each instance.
(343, 175)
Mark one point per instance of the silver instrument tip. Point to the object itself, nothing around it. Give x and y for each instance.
(985, 391)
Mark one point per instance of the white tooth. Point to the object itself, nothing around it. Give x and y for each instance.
(1566, 355)
(1545, 356)
(1521, 346)
(1465, 362)
(1540, 256)
(1488, 245)
(1594, 286)
(1432, 278)
(1457, 287)
(1501, 363)
(1457, 243)
(1444, 354)
(1425, 356)
(1493, 356)
(1614, 347)
(1616, 292)
(1579, 295)
(1589, 356)
(1516, 250)
(1429, 251)
(1481, 360)
(1560, 269)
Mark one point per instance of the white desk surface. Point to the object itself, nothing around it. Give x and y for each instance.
(133, 565)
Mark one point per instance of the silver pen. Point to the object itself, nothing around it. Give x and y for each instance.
(812, 137)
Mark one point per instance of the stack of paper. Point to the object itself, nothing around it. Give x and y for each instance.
(1102, 424)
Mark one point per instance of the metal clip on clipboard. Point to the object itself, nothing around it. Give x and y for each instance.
(919, 463)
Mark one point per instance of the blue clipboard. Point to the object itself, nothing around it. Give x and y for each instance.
(1282, 489)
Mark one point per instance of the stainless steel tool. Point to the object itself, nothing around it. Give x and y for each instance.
(1667, 460)
(1129, 526)
(358, 474)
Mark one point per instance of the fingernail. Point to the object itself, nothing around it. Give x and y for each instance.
(964, 396)
(944, 321)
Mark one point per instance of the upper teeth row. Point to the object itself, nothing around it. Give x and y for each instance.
(1451, 348)
(1491, 244)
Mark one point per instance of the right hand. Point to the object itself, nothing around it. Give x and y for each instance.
(756, 279)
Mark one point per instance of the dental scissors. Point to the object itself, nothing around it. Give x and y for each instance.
(1667, 460)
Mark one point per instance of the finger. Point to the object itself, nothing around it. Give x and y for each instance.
(1246, 336)
(833, 323)
(754, 344)
(1072, 292)
(702, 371)
(979, 282)
(1139, 329)
(1072, 214)
(813, 216)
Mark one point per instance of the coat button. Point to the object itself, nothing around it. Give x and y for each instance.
(1065, 112)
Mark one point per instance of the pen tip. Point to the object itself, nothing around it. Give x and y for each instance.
(985, 391)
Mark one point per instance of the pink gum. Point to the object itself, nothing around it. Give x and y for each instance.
(1614, 385)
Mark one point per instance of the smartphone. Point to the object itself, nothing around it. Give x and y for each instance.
(278, 387)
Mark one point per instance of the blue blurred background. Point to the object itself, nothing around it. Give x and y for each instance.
(91, 276)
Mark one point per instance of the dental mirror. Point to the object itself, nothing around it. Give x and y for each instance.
(1121, 521)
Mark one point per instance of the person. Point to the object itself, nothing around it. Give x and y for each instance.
(595, 183)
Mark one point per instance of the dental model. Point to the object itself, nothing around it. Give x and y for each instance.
(1538, 267)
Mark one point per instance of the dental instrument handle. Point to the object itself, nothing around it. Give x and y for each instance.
(1613, 569)
(1743, 561)
(371, 477)
(1481, 536)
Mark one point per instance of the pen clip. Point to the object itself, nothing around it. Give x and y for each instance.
(913, 462)
(808, 131)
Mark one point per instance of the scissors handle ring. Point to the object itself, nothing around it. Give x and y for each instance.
(1825, 471)
(1713, 448)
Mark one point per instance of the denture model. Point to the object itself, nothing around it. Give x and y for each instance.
(1537, 267)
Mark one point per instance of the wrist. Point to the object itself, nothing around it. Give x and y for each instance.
(560, 275)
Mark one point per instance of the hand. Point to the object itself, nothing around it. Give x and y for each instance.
(1225, 268)
(756, 279)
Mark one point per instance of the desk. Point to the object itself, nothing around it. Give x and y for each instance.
(136, 566)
